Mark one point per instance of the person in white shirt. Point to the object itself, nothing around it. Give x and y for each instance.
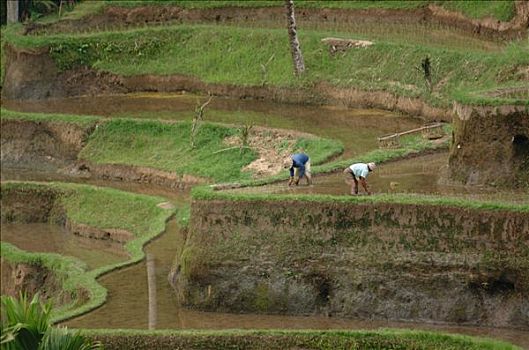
(358, 172)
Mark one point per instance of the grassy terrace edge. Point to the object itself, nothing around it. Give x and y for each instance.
(85, 120)
(87, 279)
(280, 339)
(209, 193)
(413, 146)
(500, 10)
(465, 77)
(164, 145)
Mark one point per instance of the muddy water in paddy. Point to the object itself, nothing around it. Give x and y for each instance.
(49, 238)
(423, 174)
(127, 304)
(128, 301)
(357, 129)
(128, 307)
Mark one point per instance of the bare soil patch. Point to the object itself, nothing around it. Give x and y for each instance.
(116, 17)
(272, 146)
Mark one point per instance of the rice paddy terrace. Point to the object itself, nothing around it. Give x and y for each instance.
(143, 192)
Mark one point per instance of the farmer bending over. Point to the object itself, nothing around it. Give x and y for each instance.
(299, 165)
(358, 171)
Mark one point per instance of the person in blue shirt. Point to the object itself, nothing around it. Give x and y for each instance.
(299, 166)
(358, 172)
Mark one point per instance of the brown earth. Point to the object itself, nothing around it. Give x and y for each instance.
(376, 261)
(119, 17)
(21, 83)
(31, 279)
(29, 204)
(490, 146)
(45, 144)
(272, 146)
(32, 74)
(131, 173)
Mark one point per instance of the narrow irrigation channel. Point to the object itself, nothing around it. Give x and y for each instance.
(128, 300)
(132, 303)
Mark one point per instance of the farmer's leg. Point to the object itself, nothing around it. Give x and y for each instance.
(308, 174)
(348, 176)
(354, 186)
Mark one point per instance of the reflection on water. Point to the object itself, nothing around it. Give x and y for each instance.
(128, 293)
(357, 129)
(49, 238)
(423, 174)
(25, 174)
(128, 305)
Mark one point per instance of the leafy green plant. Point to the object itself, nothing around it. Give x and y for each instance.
(63, 339)
(26, 325)
(24, 322)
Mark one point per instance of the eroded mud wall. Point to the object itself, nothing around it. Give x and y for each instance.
(385, 261)
(37, 144)
(23, 83)
(490, 146)
(33, 74)
(115, 16)
(30, 204)
(29, 278)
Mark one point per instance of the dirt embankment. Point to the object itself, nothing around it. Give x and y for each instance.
(381, 261)
(33, 74)
(26, 206)
(34, 144)
(22, 83)
(31, 279)
(55, 146)
(490, 146)
(30, 204)
(118, 17)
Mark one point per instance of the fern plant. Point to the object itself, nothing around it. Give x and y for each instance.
(26, 326)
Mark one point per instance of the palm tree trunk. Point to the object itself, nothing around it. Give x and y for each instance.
(12, 11)
(297, 57)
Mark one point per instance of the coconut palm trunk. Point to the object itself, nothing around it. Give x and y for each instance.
(297, 57)
(12, 11)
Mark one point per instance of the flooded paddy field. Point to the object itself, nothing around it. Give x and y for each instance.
(129, 307)
(357, 129)
(426, 174)
(51, 238)
(128, 300)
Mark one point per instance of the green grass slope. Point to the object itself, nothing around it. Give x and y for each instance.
(98, 207)
(501, 10)
(234, 55)
(166, 145)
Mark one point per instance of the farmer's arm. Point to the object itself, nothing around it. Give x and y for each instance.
(364, 185)
(291, 176)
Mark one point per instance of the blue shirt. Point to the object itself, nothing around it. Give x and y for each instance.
(360, 170)
(298, 161)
